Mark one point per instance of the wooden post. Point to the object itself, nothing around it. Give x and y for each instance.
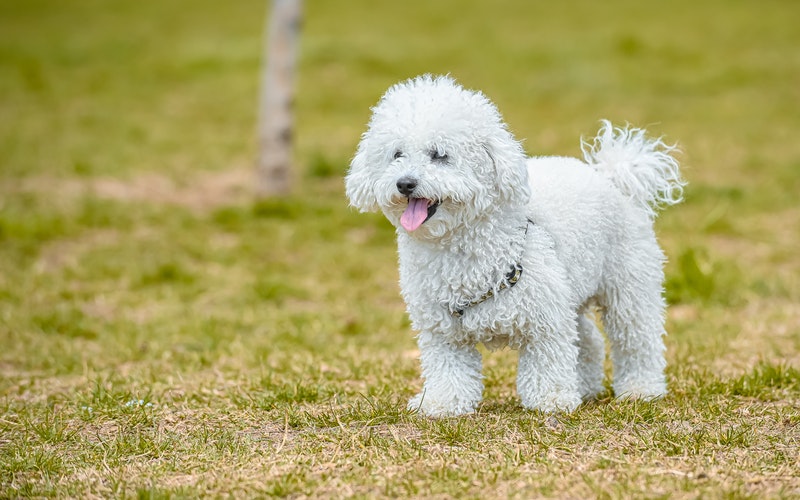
(277, 93)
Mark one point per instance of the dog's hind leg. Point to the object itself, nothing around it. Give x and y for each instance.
(453, 381)
(591, 357)
(633, 315)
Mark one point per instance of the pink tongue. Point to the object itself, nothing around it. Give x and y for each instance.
(415, 214)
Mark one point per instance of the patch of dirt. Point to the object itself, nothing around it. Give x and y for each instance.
(770, 331)
(61, 254)
(202, 192)
(768, 247)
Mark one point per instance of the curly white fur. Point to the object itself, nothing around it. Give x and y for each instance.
(641, 168)
(468, 205)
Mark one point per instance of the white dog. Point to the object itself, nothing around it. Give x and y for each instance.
(505, 250)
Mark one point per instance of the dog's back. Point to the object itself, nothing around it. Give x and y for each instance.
(596, 207)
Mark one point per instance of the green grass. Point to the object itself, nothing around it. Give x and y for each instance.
(164, 334)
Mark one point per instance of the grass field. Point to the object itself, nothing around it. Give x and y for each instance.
(165, 335)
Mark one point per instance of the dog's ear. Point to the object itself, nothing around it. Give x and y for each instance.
(359, 184)
(510, 168)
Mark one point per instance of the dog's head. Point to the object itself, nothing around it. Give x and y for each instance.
(436, 156)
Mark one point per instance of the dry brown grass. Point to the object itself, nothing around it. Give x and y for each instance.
(164, 335)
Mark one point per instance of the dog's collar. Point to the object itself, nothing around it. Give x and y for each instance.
(509, 280)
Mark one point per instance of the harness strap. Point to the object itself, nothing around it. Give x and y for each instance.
(510, 279)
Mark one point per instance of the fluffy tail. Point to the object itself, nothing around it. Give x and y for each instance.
(642, 168)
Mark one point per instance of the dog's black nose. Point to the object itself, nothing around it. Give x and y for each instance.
(406, 185)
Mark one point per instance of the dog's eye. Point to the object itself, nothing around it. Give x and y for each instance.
(398, 154)
(437, 156)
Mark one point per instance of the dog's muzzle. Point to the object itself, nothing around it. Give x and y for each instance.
(419, 209)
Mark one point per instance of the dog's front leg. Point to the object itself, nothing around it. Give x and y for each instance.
(452, 373)
(547, 377)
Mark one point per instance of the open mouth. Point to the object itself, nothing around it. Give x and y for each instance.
(418, 211)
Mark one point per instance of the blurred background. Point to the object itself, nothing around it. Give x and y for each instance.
(129, 230)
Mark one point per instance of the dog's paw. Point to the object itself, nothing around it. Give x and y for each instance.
(642, 392)
(565, 401)
(591, 390)
(645, 388)
(439, 407)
